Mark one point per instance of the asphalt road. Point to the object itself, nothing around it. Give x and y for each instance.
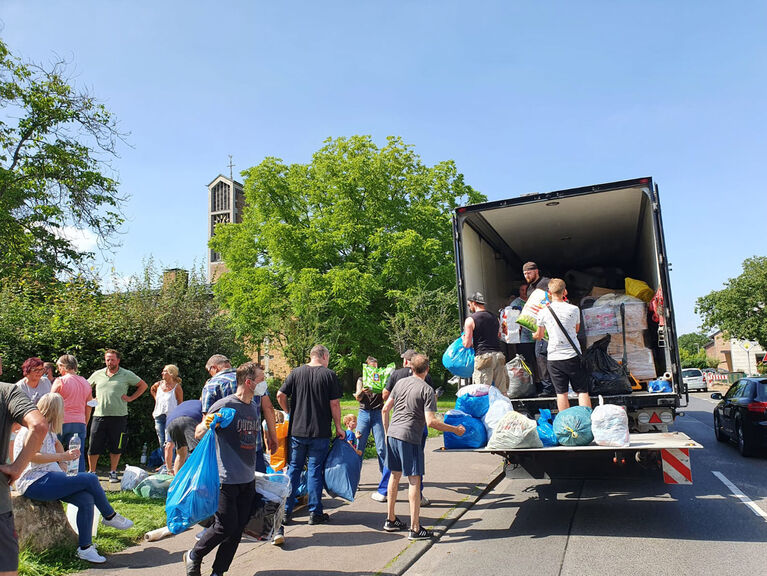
(618, 520)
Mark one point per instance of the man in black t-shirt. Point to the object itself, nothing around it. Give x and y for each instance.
(314, 393)
(481, 331)
(535, 280)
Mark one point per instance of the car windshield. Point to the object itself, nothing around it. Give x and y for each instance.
(688, 373)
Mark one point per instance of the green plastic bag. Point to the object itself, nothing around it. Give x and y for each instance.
(155, 486)
(375, 378)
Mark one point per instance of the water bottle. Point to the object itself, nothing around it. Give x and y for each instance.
(73, 466)
(143, 455)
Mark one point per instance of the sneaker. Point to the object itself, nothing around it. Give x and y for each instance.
(378, 497)
(117, 521)
(394, 525)
(422, 534)
(318, 518)
(192, 567)
(425, 501)
(113, 477)
(90, 554)
(279, 537)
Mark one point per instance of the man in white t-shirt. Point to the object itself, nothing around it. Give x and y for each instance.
(564, 363)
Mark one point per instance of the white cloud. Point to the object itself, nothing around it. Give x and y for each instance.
(83, 240)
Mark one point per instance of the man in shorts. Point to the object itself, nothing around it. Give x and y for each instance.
(180, 424)
(15, 408)
(415, 406)
(110, 418)
(482, 332)
(564, 361)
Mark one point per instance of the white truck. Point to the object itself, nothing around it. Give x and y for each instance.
(601, 233)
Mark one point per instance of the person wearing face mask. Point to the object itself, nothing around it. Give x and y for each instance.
(236, 449)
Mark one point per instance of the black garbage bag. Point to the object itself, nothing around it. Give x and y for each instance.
(608, 378)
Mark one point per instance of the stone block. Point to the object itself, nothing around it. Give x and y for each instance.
(41, 525)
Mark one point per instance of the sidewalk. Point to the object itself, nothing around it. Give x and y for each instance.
(353, 542)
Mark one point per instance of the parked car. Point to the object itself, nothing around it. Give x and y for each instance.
(694, 379)
(741, 416)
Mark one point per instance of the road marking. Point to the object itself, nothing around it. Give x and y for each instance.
(742, 497)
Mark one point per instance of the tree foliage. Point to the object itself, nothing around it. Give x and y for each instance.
(693, 342)
(740, 309)
(149, 324)
(326, 250)
(55, 142)
(691, 352)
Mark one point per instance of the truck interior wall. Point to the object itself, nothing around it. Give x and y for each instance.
(485, 271)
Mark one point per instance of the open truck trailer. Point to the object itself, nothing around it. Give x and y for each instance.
(593, 237)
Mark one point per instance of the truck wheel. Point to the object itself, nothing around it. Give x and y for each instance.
(744, 442)
(720, 436)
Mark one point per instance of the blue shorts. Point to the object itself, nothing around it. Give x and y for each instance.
(404, 457)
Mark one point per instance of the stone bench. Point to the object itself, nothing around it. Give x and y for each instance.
(41, 525)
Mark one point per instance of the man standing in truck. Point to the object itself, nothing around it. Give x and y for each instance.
(535, 280)
(481, 331)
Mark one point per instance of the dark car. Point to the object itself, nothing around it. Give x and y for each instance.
(741, 416)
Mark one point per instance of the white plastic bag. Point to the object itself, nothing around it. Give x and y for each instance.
(515, 431)
(473, 390)
(509, 326)
(610, 425)
(499, 405)
(132, 476)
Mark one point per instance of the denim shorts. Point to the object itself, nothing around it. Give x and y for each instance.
(404, 457)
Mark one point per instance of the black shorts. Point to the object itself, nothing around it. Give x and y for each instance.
(570, 371)
(181, 432)
(9, 543)
(108, 433)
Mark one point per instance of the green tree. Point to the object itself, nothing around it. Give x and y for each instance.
(740, 309)
(55, 142)
(151, 324)
(693, 342)
(326, 249)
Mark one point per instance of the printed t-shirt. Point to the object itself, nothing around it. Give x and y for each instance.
(311, 388)
(238, 443)
(76, 392)
(569, 316)
(412, 399)
(14, 405)
(111, 389)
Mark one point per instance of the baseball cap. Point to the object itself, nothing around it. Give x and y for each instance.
(529, 266)
(408, 354)
(477, 297)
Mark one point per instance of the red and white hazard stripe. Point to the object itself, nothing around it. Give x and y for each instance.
(711, 377)
(676, 466)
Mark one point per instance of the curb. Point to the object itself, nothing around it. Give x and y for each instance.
(410, 555)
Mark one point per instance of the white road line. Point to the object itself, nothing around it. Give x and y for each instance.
(742, 497)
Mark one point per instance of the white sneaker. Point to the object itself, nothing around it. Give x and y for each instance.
(118, 521)
(378, 497)
(90, 554)
(425, 501)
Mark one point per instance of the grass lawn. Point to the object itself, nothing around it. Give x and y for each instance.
(147, 514)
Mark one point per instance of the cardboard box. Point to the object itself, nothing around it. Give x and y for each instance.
(635, 341)
(607, 319)
(596, 291)
(641, 363)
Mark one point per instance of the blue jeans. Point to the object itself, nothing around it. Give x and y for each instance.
(159, 427)
(383, 486)
(69, 430)
(367, 421)
(83, 490)
(315, 449)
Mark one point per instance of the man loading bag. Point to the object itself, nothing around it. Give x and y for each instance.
(481, 331)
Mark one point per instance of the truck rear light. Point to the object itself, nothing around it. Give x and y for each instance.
(666, 417)
(758, 407)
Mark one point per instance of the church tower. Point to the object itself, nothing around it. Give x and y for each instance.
(226, 201)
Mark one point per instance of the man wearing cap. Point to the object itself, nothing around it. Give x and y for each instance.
(535, 280)
(481, 331)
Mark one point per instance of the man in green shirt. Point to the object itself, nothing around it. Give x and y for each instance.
(110, 418)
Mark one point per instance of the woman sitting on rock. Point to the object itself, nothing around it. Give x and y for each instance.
(45, 479)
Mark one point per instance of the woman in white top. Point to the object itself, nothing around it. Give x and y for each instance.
(167, 394)
(45, 479)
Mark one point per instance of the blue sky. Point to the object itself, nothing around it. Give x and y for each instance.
(524, 96)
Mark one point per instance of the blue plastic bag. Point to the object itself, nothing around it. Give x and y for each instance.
(573, 426)
(475, 406)
(459, 360)
(658, 386)
(474, 437)
(193, 494)
(545, 428)
(342, 470)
